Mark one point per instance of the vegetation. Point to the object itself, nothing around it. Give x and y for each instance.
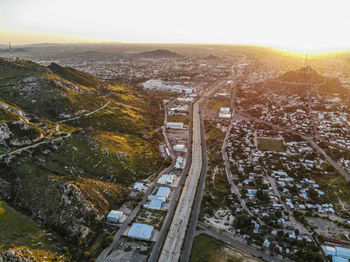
(216, 103)
(208, 249)
(270, 144)
(111, 140)
(18, 230)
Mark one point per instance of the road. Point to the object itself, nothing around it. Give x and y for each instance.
(292, 219)
(173, 243)
(335, 164)
(50, 140)
(186, 252)
(104, 254)
(171, 210)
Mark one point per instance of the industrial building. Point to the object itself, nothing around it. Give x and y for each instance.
(114, 216)
(179, 147)
(179, 162)
(339, 254)
(141, 231)
(156, 84)
(138, 186)
(155, 204)
(158, 199)
(175, 125)
(166, 179)
(162, 194)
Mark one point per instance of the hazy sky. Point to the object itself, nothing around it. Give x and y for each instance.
(301, 25)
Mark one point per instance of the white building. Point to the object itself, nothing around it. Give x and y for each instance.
(138, 186)
(225, 113)
(175, 125)
(166, 179)
(114, 216)
(179, 147)
(157, 84)
(179, 162)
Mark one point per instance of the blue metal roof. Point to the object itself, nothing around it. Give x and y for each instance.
(339, 259)
(141, 231)
(343, 252)
(156, 203)
(163, 192)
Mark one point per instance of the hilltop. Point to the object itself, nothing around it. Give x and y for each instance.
(70, 146)
(303, 75)
(159, 53)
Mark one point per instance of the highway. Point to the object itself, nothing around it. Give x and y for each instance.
(186, 252)
(175, 237)
(171, 210)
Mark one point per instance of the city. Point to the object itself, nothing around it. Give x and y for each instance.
(146, 151)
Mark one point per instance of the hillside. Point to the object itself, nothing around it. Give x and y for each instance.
(70, 146)
(303, 75)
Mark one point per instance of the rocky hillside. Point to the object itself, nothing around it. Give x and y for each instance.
(71, 145)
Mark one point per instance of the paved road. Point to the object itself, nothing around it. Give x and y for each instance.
(238, 243)
(186, 252)
(173, 243)
(335, 164)
(171, 210)
(292, 219)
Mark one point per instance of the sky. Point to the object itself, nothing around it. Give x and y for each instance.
(296, 25)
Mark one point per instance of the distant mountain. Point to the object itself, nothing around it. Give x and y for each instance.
(159, 53)
(14, 50)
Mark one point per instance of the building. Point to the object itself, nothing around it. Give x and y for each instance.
(179, 147)
(166, 179)
(339, 254)
(179, 162)
(114, 216)
(138, 186)
(185, 99)
(157, 84)
(155, 204)
(175, 125)
(162, 194)
(141, 231)
(225, 113)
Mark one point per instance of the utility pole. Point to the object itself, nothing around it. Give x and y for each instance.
(10, 45)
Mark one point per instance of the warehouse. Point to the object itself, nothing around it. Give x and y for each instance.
(179, 147)
(141, 231)
(114, 216)
(155, 204)
(175, 125)
(166, 179)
